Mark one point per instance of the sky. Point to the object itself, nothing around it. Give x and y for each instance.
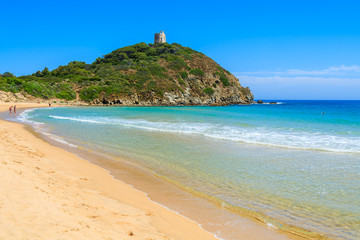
(280, 49)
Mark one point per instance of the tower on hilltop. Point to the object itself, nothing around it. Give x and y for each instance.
(160, 37)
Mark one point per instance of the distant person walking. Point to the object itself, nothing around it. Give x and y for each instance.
(14, 109)
(10, 109)
(49, 104)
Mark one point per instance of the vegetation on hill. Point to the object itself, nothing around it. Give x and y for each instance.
(146, 71)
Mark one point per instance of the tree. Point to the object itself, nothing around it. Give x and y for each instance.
(38, 74)
(45, 72)
(8, 74)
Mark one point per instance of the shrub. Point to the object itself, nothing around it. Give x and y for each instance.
(157, 71)
(95, 79)
(245, 91)
(45, 72)
(9, 88)
(151, 86)
(159, 92)
(151, 52)
(184, 75)
(141, 77)
(223, 78)
(7, 74)
(181, 81)
(13, 81)
(38, 90)
(139, 56)
(141, 46)
(65, 91)
(209, 91)
(176, 62)
(90, 93)
(197, 72)
(68, 95)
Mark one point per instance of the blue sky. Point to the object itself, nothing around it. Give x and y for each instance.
(280, 49)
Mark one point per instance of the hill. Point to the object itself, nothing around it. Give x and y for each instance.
(141, 74)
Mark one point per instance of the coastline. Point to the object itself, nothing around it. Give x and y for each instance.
(159, 222)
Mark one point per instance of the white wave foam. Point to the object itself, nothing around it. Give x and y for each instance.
(289, 138)
(38, 127)
(77, 119)
(25, 118)
(270, 103)
(58, 139)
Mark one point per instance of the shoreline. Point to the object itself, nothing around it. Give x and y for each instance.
(263, 231)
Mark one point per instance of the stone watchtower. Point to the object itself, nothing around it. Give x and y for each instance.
(160, 37)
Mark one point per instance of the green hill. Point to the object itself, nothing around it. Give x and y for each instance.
(141, 74)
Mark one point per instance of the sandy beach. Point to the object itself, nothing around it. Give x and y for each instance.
(48, 193)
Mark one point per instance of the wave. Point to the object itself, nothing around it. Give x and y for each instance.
(288, 138)
(38, 127)
(25, 117)
(58, 139)
(270, 103)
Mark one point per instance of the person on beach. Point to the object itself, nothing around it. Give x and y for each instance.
(49, 104)
(14, 109)
(10, 109)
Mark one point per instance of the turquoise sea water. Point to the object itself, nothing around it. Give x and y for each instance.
(297, 162)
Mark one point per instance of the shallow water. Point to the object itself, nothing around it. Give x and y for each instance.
(297, 162)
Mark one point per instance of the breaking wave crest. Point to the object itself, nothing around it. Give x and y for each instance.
(39, 127)
(288, 138)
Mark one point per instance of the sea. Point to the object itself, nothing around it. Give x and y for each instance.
(294, 164)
